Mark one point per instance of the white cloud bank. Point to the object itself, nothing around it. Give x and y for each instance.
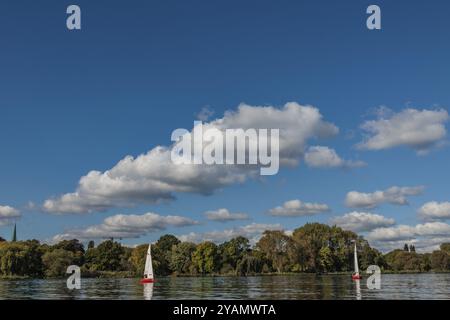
(224, 215)
(152, 177)
(126, 226)
(362, 221)
(420, 130)
(251, 231)
(394, 195)
(425, 237)
(435, 211)
(8, 215)
(297, 208)
(325, 157)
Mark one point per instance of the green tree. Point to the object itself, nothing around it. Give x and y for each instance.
(400, 260)
(125, 264)
(369, 256)
(161, 252)
(74, 246)
(233, 251)
(445, 247)
(166, 242)
(440, 260)
(426, 262)
(181, 257)
(325, 259)
(22, 258)
(137, 259)
(251, 263)
(205, 257)
(274, 245)
(56, 262)
(309, 241)
(107, 256)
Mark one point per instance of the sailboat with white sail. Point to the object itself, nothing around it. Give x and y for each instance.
(356, 275)
(148, 269)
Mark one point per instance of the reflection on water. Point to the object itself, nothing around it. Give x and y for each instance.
(358, 289)
(148, 291)
(303, 286)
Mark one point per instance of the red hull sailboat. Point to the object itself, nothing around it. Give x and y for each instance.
(148, 269)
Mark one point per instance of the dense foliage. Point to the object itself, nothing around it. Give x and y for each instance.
(313, 247)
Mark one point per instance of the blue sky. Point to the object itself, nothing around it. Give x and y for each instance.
(76, 101)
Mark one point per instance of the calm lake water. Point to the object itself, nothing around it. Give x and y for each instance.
(305, 286)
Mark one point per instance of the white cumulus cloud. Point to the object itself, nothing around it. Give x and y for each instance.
(325, 157)
(205, 113)
(417, 129)
(8, 215)
(425, 237)
(224, 215)
(362, 221)
(435, 210)
(126, 226)
(252, 231)
(152, 177)
(394, 195)
(297, 208)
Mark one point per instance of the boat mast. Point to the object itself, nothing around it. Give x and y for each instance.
(356, 261)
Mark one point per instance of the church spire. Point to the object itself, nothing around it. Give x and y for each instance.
(14, 236)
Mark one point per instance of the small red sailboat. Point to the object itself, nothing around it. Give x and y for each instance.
(356, 275)
(148, 269)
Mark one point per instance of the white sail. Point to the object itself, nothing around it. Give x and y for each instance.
(356, 261)
(148, 270)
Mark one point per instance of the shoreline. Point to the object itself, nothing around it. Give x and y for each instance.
(124, 275)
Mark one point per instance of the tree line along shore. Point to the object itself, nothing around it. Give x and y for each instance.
(312, 248)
